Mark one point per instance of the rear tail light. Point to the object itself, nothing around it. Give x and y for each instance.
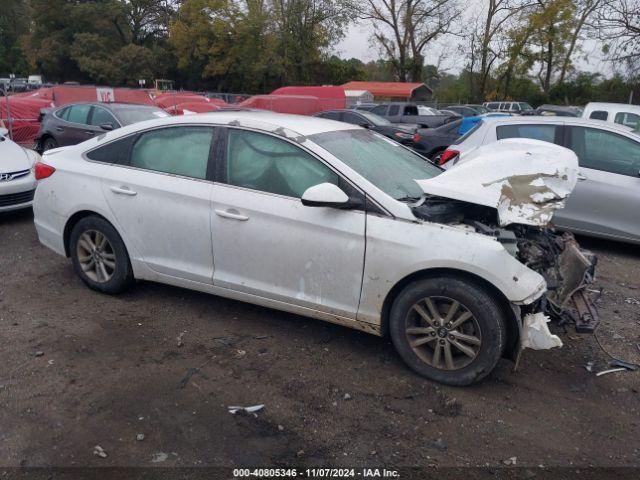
(416, 137)
(447, 155)
(42, 170)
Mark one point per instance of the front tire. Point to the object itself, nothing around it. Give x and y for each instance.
(448, 329)
(99, 256)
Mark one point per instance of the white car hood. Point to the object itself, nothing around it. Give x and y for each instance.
(13, 158)
(525, 180)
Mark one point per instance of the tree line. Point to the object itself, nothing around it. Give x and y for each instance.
(521, 49)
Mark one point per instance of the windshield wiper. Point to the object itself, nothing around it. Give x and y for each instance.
(410, 199)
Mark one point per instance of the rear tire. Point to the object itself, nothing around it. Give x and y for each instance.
(99, 256)
(49, 143)
(448, 329)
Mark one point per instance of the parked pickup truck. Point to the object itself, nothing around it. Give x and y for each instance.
(398, 112)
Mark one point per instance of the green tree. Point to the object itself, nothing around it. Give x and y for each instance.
(14, 24)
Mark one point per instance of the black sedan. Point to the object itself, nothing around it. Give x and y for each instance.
(401, 133)
(431, 142)
(77, 122)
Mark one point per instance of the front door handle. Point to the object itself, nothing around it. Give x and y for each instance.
(581, 177)
(89, 132)
(232, 214)
(59, 129)
(123, 191)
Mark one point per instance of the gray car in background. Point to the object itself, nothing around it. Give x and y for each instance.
(77, 122)
(606, 200)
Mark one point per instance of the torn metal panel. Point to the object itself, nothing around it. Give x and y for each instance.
(524, 180)
(536, 334)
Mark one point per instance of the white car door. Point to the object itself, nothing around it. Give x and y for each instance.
(161, 199)
(267, 243)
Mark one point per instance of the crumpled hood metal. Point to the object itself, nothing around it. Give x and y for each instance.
(525, 180)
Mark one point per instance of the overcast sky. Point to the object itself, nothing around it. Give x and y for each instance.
(357, 43)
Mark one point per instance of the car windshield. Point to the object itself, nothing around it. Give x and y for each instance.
(480, 109)
(525, 106)
(128, 114)
(375, 119)
(386, 164)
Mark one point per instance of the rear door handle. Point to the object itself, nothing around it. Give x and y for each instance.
(123, 191)
(232, 214)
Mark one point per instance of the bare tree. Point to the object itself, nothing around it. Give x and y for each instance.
(497, 15)
(618, 23)
(584, 12)
(148, 19)
(404, 28)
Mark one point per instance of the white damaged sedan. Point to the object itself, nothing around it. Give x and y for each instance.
(326, 220)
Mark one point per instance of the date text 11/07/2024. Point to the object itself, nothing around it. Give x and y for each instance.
(315, 473)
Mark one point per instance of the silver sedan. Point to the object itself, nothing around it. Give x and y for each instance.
(606, 200)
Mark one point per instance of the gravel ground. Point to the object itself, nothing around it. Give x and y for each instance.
(80, 369)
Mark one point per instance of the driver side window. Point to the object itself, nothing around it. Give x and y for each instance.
(268, 164)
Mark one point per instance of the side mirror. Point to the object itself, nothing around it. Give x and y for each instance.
(366, 125)
(3, 132)
(327, 195)
(106, 126)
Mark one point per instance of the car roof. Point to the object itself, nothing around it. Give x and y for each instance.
(110, 105)
(350, 110)
(286, 124)
(613, 105)
(587, 122)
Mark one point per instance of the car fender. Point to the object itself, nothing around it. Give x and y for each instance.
(398, 249)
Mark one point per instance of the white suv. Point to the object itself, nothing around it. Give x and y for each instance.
(508, 107)
(620, 113)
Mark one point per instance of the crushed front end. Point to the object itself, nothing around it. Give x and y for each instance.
(509, 190)
(568, 271)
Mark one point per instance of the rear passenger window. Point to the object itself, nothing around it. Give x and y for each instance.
(603, 150)
(546, 133)
(79, 114)
(331, 115)
(380, 110)
(115, 152)
(599, 115)
(353, 118)
(177, 150)
(395, 109)
(63, 113)
(628, 119)
(101, 116)
(269, 164)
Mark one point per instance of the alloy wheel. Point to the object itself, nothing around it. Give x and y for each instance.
(96, 256)
(443, 333)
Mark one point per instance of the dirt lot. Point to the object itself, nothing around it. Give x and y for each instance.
(80, 369)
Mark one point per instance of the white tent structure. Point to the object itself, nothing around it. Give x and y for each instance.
(356, 97)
